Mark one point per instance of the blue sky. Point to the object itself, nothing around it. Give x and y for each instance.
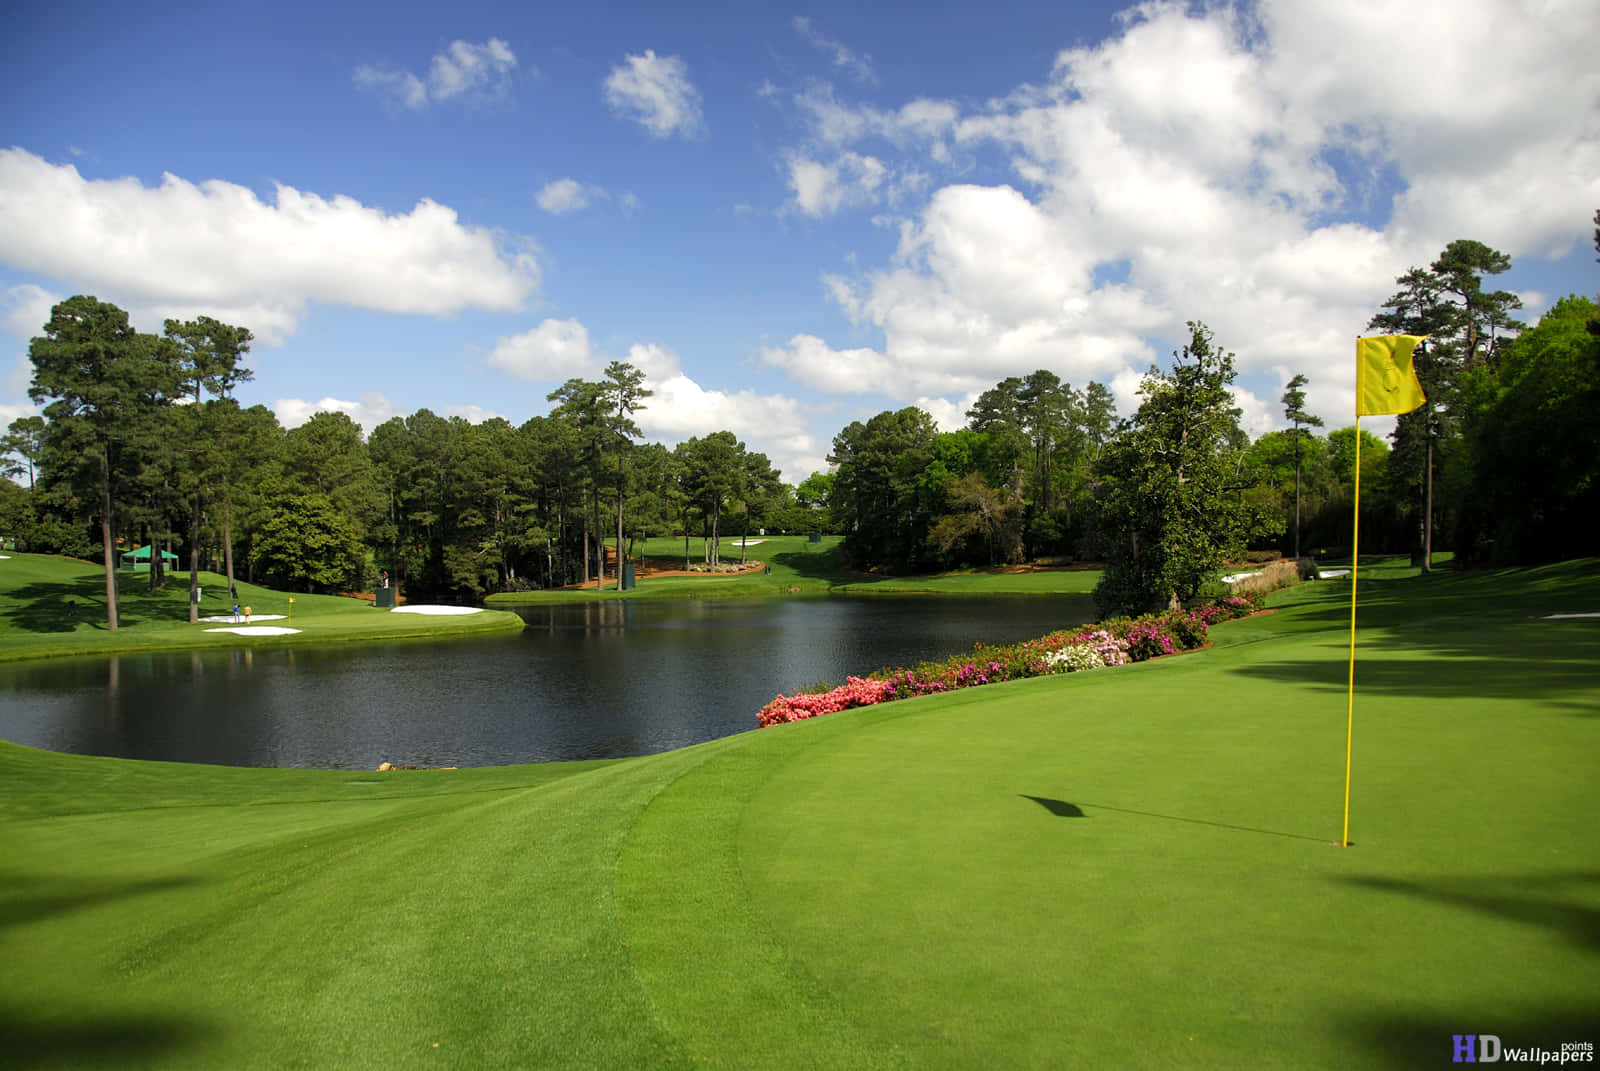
(790, 219)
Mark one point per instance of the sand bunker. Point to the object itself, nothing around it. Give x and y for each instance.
(229, 619)
(1568, 617)
(1331, 574)
(440, 611)
(257, 630)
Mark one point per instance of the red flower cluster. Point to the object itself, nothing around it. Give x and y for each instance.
(854, 692)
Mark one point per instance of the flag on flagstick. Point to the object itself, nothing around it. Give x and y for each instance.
(1386, 382)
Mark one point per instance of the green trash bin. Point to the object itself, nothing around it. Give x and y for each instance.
(385, 600)
(627, 576)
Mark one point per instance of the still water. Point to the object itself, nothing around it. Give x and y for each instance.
(596, 680)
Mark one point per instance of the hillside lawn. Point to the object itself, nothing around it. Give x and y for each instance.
(1130, 867)
(800, 567)
(38, 591)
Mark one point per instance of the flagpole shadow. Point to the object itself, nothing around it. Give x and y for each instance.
(1063, 809)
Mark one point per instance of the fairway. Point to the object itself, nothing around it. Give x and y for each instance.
(1124, 868)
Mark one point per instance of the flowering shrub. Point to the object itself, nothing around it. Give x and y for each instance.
(1111, 643)
(854, 692)
(1148, 639)
(1112, 651)
(1074, 658)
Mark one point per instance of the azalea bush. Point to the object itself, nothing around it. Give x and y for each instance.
(1075, 658)
(1109, 643)
(854, 692)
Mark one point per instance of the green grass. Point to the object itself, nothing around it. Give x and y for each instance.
(1126, 868)
(38, 594)
(800, 567)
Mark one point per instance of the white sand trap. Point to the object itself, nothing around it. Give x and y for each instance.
(5, 557)
(439, 611)
(257, 630)
(747, 542)
(1568, 617)
(1331, 574)
(1235, 578)
(229, 619)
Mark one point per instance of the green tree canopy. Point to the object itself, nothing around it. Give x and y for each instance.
(1174, 499)
(104, 387)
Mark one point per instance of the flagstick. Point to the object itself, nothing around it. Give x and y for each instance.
(1355, 567)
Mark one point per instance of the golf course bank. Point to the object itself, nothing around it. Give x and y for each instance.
(1127, 868)
(52, 606)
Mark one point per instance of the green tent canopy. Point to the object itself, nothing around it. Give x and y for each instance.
(138, 559)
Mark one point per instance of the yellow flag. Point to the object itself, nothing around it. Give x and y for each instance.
(1385, 380)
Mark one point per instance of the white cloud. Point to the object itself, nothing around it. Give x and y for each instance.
(472, 414)
(481, 72)
(948, 415)
(10, 411)
(1205, 164)
(920, 122)
(679, 408)
(24, 310)
(823, 189)
(1256, 416)
(656, 362)
(682, 408)
(856, 63)
(771, 424)
(215, 247)
(565, 195)
(810, 360)
(369, 412)
(556, 350)
(655, 92)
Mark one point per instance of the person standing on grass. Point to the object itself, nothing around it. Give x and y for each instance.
(247, 615)
(235, 613)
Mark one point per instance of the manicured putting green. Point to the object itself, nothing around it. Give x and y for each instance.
(1138, 868)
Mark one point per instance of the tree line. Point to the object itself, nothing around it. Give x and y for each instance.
(141, 441)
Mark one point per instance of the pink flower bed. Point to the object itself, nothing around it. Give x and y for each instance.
(1116, 642)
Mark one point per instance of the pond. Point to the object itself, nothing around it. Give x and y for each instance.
(592, 680)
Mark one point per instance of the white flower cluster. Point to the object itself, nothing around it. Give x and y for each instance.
(1075, 657)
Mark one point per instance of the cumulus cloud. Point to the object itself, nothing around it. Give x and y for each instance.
(655, 92)
(24, 310)
(770, 424)
(481, 72)
(1204, 163)
(680, 407)
(369, 412)
(215, 247)
(556, 349)
(813, 362)
(856, 63)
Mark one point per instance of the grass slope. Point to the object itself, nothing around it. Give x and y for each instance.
(1131, 867)
(38, 594)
